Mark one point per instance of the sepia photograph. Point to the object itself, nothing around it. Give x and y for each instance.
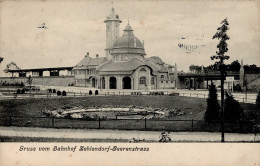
(130, 77)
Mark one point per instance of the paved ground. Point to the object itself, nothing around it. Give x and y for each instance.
(81, 92)
(122, 134)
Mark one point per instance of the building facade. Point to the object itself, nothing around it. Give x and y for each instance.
(125, 65)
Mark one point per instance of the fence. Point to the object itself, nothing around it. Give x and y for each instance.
(239, 99)
(126, 124)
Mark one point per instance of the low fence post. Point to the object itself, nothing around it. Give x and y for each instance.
(192, 125)
(74, 94)
(204, 96)
(197, 95)
(145, 124)
(98, 122)
(10, 120)
(243, 100)
(52, 122)
(190, 94)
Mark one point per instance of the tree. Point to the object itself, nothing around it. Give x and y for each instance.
(220, 57)
(234, 66)
(11, 66)
(29, 81)
(233, 110)
(258, 101)
(212, 112)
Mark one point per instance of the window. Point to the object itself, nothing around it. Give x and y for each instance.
(35, 73)
(167, 82)
(171, 81)
(152, 80)
(162, 82)
(125, 58)
(142, 80)
(142, 69)
(162, 76)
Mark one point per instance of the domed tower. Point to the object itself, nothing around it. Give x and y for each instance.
(112, 31)
(128, 46)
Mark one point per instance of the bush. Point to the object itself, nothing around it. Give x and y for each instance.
(258, 101)
(18, 91)
(22, 91)
(232, 109)
(64, 93)
(54, 91)
(90, 92)
(212, 112)
(58, 93)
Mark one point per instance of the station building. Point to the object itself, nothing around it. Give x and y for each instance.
(125, 65)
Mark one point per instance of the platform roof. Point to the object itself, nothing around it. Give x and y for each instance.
(41, 69)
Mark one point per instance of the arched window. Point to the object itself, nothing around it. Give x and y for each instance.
(162, 76)
(152, 80)
(142, 80)
(125, 58)
(142, 69)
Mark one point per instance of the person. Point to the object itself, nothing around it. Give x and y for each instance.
(165, 137)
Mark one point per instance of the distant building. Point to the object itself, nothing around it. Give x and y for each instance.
(125, 65)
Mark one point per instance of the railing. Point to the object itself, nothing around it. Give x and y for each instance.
(204, 96)
(127, 124)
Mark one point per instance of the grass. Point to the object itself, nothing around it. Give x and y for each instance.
(193, 108)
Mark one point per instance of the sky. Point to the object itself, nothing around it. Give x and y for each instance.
(77, 27)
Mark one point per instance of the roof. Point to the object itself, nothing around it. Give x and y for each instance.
(41, 69)
(127, 65)
(156, 61)
(121, 66)
(128, 43)
(87, 62)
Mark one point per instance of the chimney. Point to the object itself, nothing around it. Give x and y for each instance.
(87, 55)
(96, 55)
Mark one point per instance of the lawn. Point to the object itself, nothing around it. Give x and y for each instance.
(193, 108)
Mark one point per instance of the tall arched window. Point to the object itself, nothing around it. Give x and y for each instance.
(152, 80)
(142, 69)
(142, 80)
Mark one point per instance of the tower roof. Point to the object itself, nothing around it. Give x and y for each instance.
(128, 43)
(113, 16)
